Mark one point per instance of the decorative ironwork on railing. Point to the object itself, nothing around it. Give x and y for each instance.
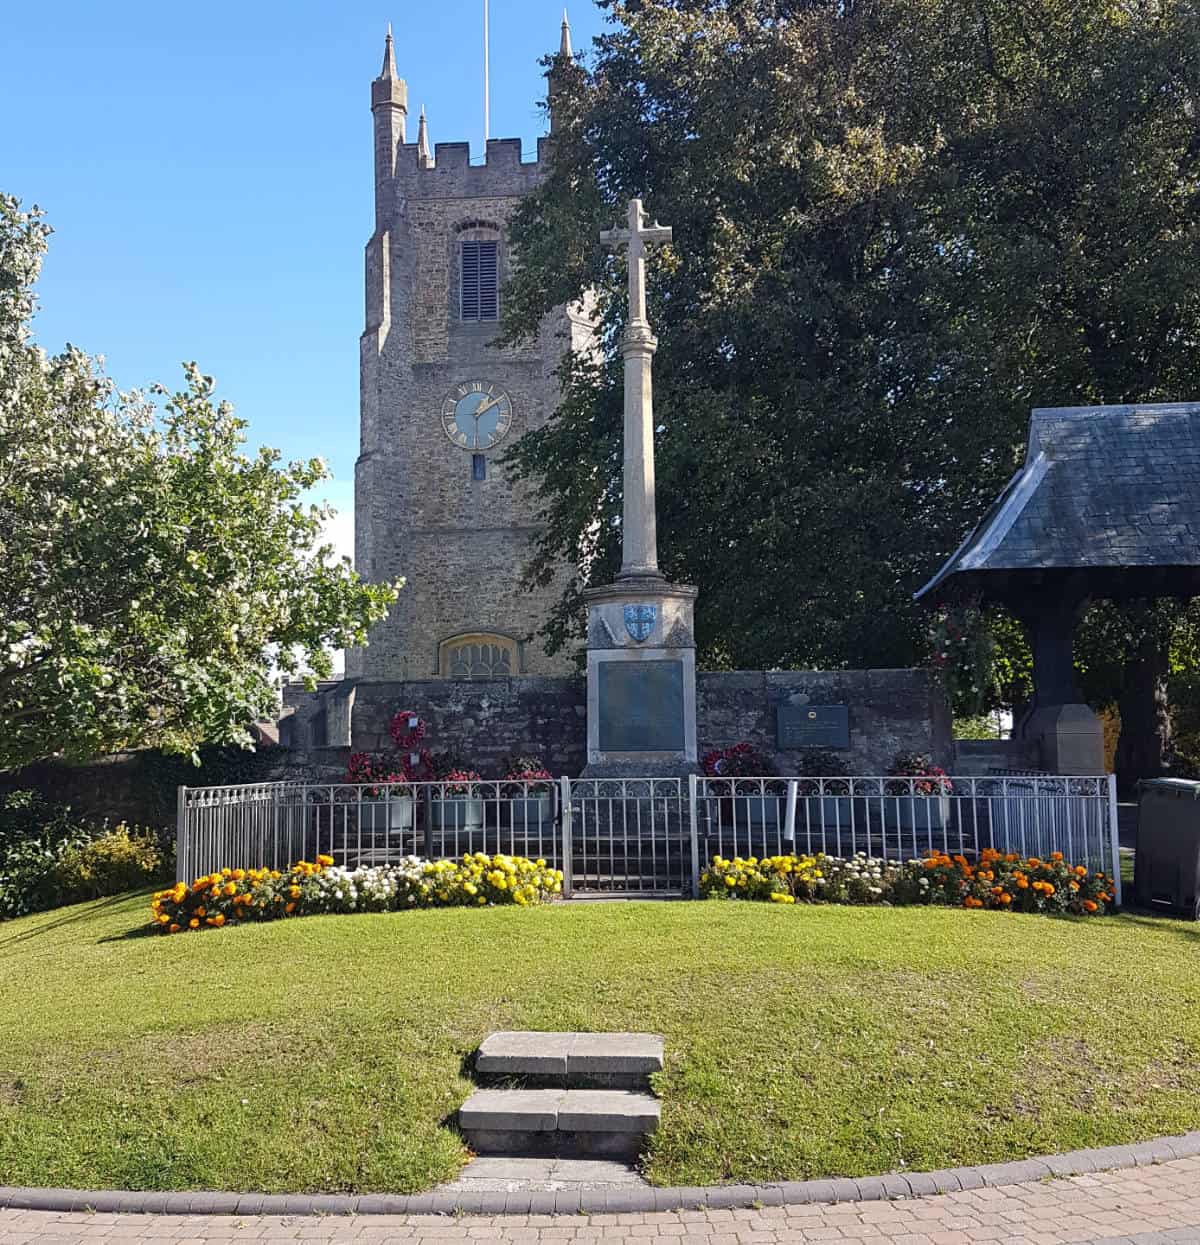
(896, 818)
(648, 835)
(272, 824)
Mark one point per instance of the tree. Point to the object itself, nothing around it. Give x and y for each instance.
(899, 224)
(155, 577)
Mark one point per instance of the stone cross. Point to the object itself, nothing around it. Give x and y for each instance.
(639, 534)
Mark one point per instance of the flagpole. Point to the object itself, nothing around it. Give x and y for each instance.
(486, 119)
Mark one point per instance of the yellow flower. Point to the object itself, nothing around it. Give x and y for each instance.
(325, 860)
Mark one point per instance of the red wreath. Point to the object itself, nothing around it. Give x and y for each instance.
(407, 730)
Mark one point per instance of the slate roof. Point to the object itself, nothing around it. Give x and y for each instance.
(1104, 489)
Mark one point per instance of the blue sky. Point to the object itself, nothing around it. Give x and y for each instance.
(207, 172)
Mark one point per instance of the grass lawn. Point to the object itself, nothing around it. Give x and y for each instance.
(328, 1053)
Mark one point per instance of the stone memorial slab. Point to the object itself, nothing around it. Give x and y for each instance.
(640, 706)
(812, 726)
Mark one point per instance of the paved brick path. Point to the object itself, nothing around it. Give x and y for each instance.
(1141, 1206)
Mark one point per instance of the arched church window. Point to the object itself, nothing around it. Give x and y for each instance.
(479, 655)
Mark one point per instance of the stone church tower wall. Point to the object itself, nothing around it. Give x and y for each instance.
(421, 511)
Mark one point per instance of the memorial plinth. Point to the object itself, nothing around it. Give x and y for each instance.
(641, 679)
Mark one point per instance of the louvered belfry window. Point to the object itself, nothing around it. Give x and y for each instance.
(480, 290)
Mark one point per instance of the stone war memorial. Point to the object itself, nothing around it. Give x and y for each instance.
(641, 671)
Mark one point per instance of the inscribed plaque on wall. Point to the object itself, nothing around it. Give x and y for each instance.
(640, 706)
(812, 726)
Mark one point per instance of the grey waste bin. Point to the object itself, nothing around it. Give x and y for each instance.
(1167, 864)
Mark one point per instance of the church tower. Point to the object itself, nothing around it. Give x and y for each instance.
(440, 403)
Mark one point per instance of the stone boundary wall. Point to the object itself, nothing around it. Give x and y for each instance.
(485, 721)
(488, 720)
(890, 711)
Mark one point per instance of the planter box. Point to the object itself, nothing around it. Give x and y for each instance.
(394, 816)
(746, 825)
(455, 826)
(456, 812)
(532, 812)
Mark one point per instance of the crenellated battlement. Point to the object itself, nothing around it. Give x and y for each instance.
(451, 171)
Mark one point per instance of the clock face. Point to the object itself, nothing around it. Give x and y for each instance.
(476, 415)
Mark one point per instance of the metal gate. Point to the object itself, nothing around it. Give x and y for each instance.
(627, 836)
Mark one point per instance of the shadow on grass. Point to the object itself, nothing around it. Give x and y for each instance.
(82, 912)
(138, 931)
(1163, 922)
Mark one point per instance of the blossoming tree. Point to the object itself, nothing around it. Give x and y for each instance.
(156, 577)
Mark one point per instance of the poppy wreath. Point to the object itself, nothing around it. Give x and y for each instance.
(407, 730)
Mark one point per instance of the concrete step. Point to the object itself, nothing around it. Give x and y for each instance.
(582, 1122)
(574, 1060)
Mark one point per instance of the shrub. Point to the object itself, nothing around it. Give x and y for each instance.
(26, 877)
(123, 859)
(1003, 883)
(28, 817)
(232, 896)
(34, 835)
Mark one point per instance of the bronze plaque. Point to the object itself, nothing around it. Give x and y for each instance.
(640, 706)
(812, 726)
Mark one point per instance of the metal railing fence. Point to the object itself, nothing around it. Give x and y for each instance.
(648, 835)
(271, 825)
(896, 818)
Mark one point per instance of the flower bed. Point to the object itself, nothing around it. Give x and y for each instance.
(1004, 883)
(235, 896)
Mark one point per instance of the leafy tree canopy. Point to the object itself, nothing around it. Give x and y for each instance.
(156, 577)
(899, 224)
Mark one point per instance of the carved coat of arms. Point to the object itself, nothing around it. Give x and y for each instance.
(640, 620)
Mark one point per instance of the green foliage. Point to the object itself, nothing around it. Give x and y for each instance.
(1184, 693)
(123, 859)
(897, 227)
(34, 836)
(981, 726)
(156, 576)
(51, 856)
